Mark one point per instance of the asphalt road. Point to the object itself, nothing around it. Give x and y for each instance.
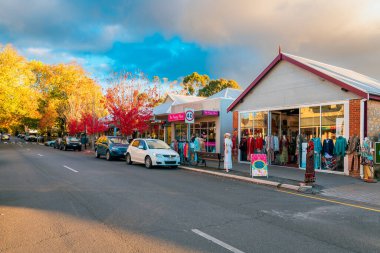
(66, 201)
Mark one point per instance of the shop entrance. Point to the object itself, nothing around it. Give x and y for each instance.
(284, 129)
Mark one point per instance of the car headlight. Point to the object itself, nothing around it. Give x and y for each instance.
(157, 155)
(114, 149)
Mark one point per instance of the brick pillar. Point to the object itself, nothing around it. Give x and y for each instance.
(354, 124)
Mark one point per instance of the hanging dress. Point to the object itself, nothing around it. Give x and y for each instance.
(227, 154)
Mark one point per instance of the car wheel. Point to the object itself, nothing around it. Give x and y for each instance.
(148, 162)
(96, 153)
(79, 149)
(128, 159)
(108, 156)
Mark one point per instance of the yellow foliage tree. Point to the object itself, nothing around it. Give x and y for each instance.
(18, 95)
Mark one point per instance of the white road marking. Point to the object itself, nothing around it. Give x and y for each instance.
(67, 167)
(216, 241)
(40, 155)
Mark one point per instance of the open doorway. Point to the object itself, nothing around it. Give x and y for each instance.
(285, 129)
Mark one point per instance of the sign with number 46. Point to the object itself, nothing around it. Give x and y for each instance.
(189, 115)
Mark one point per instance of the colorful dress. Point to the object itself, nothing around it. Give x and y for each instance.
(227, 154)
(310, 171)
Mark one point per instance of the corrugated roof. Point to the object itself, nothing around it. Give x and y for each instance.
(348, 80)
(352, 78)
(181, 99)
(227, 93)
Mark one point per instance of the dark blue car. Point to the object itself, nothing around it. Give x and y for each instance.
(111, 147)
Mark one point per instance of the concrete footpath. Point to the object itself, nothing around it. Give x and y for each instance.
(287, 178)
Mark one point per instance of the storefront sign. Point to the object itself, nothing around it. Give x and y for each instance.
(259, 165)
(189, 115)
(377, 152)
(210, 113)
(176, 117)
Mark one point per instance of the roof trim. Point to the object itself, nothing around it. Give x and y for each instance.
(281, 57)
(374, 97)
(255, 82)
(327, 77)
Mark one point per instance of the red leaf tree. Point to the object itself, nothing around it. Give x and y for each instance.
(130, 101)
(92, 124)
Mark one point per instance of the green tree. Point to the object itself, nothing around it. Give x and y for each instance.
(214, 86)
(193, 82)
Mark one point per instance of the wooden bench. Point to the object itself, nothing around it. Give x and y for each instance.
(208, 156)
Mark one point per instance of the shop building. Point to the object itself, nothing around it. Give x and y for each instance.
(295, 100)
(211, 119)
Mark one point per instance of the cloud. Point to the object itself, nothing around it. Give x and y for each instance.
(231, 39)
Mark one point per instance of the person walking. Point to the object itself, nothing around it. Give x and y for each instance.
(227, 152)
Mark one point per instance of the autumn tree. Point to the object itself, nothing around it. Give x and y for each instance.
(18, 95)
(214, 86)
(67, 93)
(193, 82)
(130, 100)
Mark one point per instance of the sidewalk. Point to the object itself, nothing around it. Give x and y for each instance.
(327, 184)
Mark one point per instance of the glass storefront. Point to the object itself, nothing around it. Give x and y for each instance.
(206, 130)
(180, 132)
(322, 124)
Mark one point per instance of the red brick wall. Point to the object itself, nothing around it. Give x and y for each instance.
(354, 117)
(354, 130)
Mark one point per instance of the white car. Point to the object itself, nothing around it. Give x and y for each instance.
(151, 152)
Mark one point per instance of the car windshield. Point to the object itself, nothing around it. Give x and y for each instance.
(157, 144)
(118, 141)
(73, 139)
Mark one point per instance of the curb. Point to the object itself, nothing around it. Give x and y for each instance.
(245, 179)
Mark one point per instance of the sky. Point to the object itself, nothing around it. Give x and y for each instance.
(232, 39)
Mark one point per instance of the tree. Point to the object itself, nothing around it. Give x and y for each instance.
(130, 101)
(18, 95)
(193, 82)
(214, 86)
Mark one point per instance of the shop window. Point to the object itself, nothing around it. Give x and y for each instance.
(332, 128)
(180, 132)
(310, 122)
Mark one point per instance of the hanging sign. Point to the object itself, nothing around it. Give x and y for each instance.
(189, 115)
(176, 117)
(377, 152)
(259, 165)
(210, 113)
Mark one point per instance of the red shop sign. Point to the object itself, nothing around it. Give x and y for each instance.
(176, 117)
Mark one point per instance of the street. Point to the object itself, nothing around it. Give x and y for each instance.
(69, 201)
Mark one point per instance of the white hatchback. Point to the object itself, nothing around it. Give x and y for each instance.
(151, 152)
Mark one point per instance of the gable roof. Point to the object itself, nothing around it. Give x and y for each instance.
(174, 99)
(348, 80)
(228, 93)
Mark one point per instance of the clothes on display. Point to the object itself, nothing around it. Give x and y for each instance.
(310, 171)
(227, 154)
(269, 142)
(328, 147)
(250, 147)
(340, 152)
(284, 150)
(317, 152)
(276, 144)
(243, 149)
(354, 151)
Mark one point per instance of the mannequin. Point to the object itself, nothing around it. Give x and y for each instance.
(284, 145)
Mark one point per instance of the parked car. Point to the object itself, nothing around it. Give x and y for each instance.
(21, 136)
(5, 137)
(49, 143)
(151, 152)
(111, 147)
(70, 142)
(30, 138)
(57, 143)
(40, 138)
